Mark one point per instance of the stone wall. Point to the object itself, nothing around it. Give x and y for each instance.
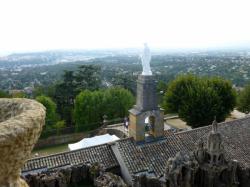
(60, 139)
(201, 179)
(93, 174)
(75, 137)
(116, 132)
(146, 181)
(21, 122)
(244, 177)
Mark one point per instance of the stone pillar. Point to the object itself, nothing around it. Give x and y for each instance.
(146, 106)
(21, 122)
(136, 125)
(158, 129)
(146, 99)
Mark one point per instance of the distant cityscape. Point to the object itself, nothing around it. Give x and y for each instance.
(24, 71)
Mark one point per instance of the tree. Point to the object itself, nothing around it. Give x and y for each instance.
(18, 95)
(243, 103)
(88, 77)
(124, 80)
(91, 106)
(47, 90)
(64, 97)
(161, 89)
(88, 110)
(197, 100)
(117, 102)
(226, 94)
(3, 94)
(59, 126)
(51, 115)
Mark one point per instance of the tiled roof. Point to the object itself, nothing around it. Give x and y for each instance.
(235, 136)
(101, 153)
(153, 156)
(158, 153)
(150, 157)
(169, 132)
(132, 156)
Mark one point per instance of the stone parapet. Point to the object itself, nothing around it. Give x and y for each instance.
(21, 122)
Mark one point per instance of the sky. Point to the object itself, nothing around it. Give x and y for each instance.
(33, 25)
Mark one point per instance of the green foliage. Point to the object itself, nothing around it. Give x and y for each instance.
(88, 110)
(176, 92)
(243, 103)
(47, 90)
(3, 94)
(64, 97)
(51, 115)
(167, 67)
(117, 102)
(125, 80)
(59, 126)
(18, 95)
(161, 89)
(161, 86)
(226, 94)
(91, 106)
(88, 77)
(198, 100)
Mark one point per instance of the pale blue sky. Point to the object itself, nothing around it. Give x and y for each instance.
(80, 24)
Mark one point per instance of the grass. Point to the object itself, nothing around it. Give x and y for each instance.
(177, 123)
(50, 150)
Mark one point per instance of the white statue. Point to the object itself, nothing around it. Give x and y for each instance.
(145, 59)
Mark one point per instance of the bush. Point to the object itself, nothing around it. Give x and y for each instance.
(59, 126)
(51, 115)
(90, 107)
(243, 103)
(197, 100)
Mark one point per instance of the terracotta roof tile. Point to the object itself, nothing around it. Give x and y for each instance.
(132, 156)
(235, 136)
(158, 153)
(101, 153)
(153, 156)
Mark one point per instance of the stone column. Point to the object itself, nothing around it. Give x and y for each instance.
(146, 98)
(146, 106)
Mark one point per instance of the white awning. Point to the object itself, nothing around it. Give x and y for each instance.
(96, 140)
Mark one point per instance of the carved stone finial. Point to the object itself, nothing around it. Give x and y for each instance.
(180, 170)
(199, 153)
(214, 125)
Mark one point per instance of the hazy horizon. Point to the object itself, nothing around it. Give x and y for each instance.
(44, 25)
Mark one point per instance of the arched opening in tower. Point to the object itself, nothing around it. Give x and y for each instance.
(149, 127)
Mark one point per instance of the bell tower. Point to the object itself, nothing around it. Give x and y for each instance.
(146, 107)
(146, 115)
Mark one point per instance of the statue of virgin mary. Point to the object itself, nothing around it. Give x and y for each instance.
(145, 59)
